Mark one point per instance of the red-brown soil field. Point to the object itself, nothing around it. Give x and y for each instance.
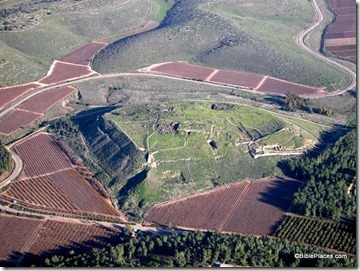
(277, 86)
(40, 103)
(16, 233)
(38, 236)
(32, 109)
(57, 234)
(41, 155)
(250, 80)
(256, 82)
(64, 71)
(343, 30)
(17, 119)
(9, 94)
(185, 70)
(250, 207)
(59, 192)
(50, 182)
(84, 54)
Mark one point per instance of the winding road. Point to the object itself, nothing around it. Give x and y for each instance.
(302, 39)
(18, 164)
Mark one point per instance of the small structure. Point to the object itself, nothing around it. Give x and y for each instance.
(218, 264)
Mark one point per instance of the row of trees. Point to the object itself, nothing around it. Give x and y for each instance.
(340, 236)
(292, 102)
(5, 159)
(194, 249)
(329, 176)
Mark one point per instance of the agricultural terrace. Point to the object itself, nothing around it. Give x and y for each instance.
(16, 120)
(196, 145)
(11, 93)
(251, 81)
(52, 29)
(329, 234)
(248, 207)
(38, 236)
(61, 71)
(341, 35)
(32, 109)
(41, 155)
(84, 54)
(245, 35)
(51, 182)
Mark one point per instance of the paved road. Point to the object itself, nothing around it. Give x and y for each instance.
(16, 170)
(302, 39)
(147, 228)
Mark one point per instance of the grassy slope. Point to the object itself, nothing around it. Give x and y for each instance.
(278, 23)
(67, 28)
(246, 35)
(185, 163)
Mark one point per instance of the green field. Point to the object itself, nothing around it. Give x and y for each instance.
(60, 27)
(197, 145)
(253, 36)
(335, 235)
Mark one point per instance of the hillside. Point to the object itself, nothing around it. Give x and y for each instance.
(247, 36)
(34, 33)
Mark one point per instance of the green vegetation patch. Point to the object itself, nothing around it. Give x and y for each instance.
(192, 249)
(6, 163)
(335, 235)
(197, 145)
(329, 192)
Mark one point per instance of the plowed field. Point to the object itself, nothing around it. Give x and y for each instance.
(40, 103)
(51, 183)
(251, 207)
(41, 155)
(273, 85)
(16, 120)
(15, 233)
(38, 236)
(65, 190)
(343, 31)
(237, 78)
(11, 93)
(255, 82)
(183, 69)
(63, 71)
(84, 54)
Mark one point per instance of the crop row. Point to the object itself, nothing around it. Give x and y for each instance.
(15, 233)
(251, 207)
(56, 234)
(41, 155)
(339, 236)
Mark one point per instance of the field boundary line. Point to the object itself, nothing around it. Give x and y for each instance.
(261, 82)
(28, 111)
(99, 42)
(211, 75)
(232, 211)
(72, 64)
(46, 174)
(27, 246)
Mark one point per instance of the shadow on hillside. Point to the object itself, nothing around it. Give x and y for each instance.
(326, 140)
(279, 192)
(20, 259)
